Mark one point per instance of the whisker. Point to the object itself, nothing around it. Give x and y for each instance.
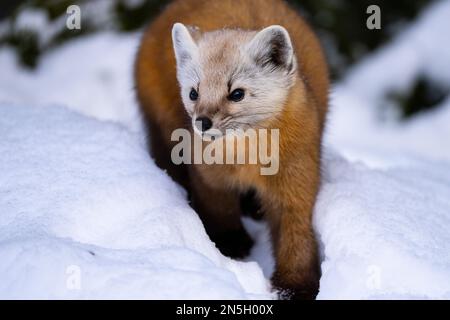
(226, 120)
(246, 113)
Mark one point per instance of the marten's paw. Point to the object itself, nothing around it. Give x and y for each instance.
(300, 293)
(307, 290)
(234, 243)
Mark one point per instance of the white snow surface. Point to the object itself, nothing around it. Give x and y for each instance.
(80, 197)
(85, 213)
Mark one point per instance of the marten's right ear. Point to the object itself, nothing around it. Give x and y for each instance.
(183, 44)
(272, 47)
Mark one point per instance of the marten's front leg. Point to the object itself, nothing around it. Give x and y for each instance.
(297, 270)
(219, 210)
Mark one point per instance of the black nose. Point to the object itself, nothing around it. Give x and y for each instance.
(203, 123)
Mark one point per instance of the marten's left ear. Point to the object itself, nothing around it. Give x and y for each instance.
(272, 47)
(183, 44)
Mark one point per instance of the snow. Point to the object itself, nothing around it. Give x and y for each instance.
(91, 75)
(384, 232)
(356, 120)
(79, 192)
(85, 213)
(47, 29)
(383, 213)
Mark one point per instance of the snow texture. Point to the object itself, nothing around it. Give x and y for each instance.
(383, 218)
(80, 197)
(85, 213)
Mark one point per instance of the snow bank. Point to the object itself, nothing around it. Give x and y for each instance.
(384, 218)
(92, 75)
(85, 213)
(385, 233)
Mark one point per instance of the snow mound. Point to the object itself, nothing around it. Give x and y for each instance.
(385, 233)
(383, 214)
(92, 75)
(85, 213)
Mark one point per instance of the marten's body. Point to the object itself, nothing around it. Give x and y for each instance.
(296, 104)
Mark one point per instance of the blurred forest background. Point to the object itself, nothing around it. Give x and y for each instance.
(35, 26)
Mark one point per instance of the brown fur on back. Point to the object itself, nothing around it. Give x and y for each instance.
(286, 198)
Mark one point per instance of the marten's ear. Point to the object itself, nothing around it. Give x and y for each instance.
(184, 45)
(272, 47)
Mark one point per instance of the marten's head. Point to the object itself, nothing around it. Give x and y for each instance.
(233, 79)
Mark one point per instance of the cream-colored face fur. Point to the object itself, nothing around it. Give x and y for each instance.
(214, 64)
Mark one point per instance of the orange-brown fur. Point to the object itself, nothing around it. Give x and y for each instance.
(287, 198)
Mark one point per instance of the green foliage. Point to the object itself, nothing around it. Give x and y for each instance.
(54, 8)
(132, 18)
(26, 44)
(343, 23)
(423, 95)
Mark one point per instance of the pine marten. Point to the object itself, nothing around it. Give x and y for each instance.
(241, 64)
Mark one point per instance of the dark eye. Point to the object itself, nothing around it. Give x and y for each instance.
(193, 95)
(237, 95)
